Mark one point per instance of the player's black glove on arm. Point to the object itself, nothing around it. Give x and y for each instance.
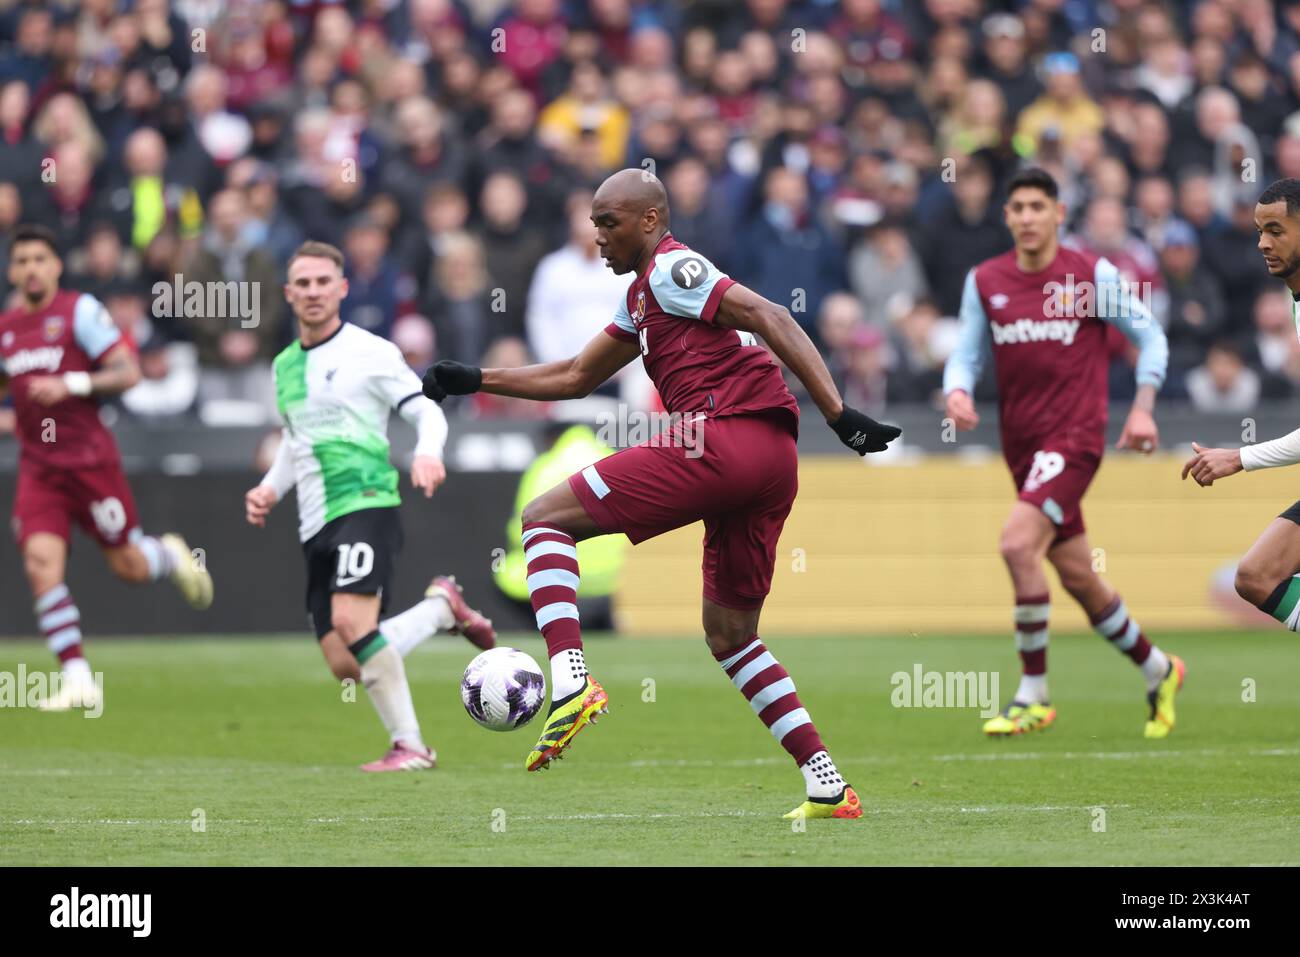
(451, 378)
(860, 432)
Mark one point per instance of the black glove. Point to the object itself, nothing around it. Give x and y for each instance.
(862, 433)
(451, 378)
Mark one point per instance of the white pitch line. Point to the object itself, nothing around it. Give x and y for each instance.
(129, 822)
(1017, 809)
(997, 756)
(703, 763)
(910, 811)
(170, 772)
(619, 816)
(1118, 755)
(867, 811)
(590, 816)
(167, 822)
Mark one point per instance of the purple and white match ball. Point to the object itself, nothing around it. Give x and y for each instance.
(503, 689)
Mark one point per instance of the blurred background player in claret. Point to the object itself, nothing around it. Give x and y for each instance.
(1040, 313)
(60, 353)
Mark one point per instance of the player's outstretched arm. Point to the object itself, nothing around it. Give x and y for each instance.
(742, 308)
(279, 478)
(1118, 302)
(1140, 431)
(1210, 464)
(94, 333)
(546, 382)
(118, 371)
(258, 502)
(966, 364)
(427, 470)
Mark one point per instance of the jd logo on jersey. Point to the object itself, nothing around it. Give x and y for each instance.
(689, 272)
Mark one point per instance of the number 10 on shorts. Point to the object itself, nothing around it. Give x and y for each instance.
(356, 561)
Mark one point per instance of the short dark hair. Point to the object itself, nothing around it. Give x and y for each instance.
(1033, 177)
(316, 249)
(1283, 189)
(36, 233)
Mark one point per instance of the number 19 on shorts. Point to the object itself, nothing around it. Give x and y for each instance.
(1047, 466)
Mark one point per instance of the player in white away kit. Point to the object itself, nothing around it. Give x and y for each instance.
(1268, 576)
(335, 387)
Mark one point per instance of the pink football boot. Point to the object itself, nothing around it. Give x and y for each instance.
(403, 758)
(469, 622)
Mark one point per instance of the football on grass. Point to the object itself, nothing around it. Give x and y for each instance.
(503, 689)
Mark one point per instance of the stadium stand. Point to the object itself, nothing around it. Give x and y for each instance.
(844, 159)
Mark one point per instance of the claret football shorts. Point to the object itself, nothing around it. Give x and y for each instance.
(737, 473)
(98, 499)
(1053, 476)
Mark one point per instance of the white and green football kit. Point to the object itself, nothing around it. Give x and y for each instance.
(335, 398)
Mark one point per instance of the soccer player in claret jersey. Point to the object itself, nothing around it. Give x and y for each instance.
(727, 458)
(335, 386)
(1268, 576)
(1040, 310)
(59, 351)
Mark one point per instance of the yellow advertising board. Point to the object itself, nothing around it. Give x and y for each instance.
(912, 548)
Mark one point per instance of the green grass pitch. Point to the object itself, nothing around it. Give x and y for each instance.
(254, 737)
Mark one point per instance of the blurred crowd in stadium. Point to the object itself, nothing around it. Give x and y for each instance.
(842, 158)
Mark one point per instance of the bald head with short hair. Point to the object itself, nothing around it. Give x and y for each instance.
(630, 212)
(634, 190)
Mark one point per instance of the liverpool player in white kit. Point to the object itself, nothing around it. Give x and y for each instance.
(335, 386)
(59, 352)
(1040, 312)
(1269, 574)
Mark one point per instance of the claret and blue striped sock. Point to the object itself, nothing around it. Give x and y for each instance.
(552, 559)
(771, 693)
